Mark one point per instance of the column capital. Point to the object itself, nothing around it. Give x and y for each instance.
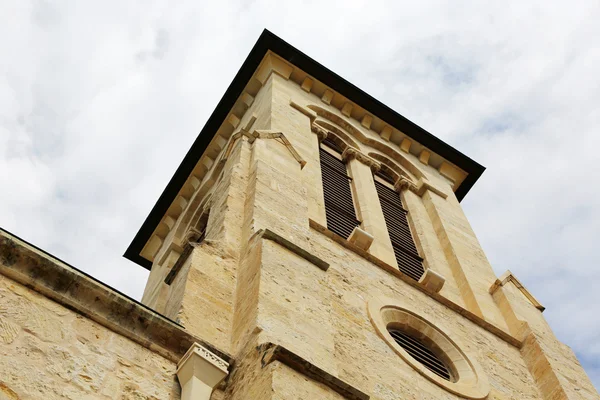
(350, 153)
(320, 132)
(404, 183)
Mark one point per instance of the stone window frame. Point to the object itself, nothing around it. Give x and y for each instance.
(469, 379)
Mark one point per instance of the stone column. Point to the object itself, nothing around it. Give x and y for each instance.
(366, 200)
(199, 372)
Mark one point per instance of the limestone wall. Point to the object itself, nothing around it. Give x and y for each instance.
(50, 352)
(241, 291)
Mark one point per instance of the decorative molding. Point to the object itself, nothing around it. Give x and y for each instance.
(347, 109)
(395, 169)
(199, 372)
(335, 130)
(366, 121)
(280, 240)
(403, 183)
(233, 120)
(273, 63)
(208, 355)
(405, 145)
(450, 172)
(152, 247)
(181, 202)
(420, 188)
(308, 112)
(319, 131)
(423, 186)
(307, 84)
(275, 352)
(247, 99)
(509, 277)
(206, 163)
(169, 221)
(327, 97)
(335, 121)
(194, 182)
(386, 133)
(424, 157)
(350, 153)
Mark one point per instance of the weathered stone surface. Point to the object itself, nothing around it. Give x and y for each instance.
(62, 354)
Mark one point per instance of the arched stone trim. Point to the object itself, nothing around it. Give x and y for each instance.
(392, 168)
(337, 135)
(400, 164)
(340, 121)
(376, 144)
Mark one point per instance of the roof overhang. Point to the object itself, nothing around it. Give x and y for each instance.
(270, 42)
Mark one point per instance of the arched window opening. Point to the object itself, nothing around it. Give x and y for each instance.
(396, 220)
(339, 205)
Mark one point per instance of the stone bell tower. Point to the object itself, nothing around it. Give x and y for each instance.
(316, 238)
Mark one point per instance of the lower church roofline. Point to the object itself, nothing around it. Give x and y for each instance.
(46, 274)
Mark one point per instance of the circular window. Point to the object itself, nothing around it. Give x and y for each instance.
(422, 352)
(428, 349)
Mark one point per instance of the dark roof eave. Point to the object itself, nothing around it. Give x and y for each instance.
(268, 41)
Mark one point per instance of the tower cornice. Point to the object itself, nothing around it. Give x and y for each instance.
(271, 55)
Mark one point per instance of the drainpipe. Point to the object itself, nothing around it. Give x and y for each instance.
(199, 372)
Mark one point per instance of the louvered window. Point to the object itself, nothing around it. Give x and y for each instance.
(421, 352)
(396, 221)
(339, 207)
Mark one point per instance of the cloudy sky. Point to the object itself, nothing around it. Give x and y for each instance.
(100, 101)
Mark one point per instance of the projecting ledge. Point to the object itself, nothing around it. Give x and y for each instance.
(270, 235)
(509, 277)
(273, 352)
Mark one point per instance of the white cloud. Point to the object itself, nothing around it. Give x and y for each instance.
(93, 95)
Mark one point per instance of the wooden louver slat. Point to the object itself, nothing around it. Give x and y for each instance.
(339, 207)
(420, 352)
(396, 221)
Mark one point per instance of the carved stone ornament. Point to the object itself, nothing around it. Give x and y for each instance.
(404, 183)
(192, 235)
(199, 372)
(321, 133)
(351, 153)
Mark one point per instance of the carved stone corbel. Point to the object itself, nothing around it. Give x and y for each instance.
(350, 153)
(432, 280)
(320, 132)
(404, 183)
